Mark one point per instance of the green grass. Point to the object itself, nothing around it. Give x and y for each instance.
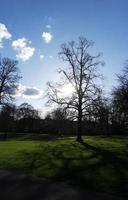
(100, 164)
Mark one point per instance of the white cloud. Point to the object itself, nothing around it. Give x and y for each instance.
(48, 26)
(4, 34)
(50, 57)
(41, 56)
(24, 52)
(27, 92)
(19, 43)
(47, 36)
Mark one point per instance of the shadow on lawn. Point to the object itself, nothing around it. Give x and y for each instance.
(100, 170)
(115, 166)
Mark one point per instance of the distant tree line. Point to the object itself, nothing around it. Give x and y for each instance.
(18, 118)
(104, 118)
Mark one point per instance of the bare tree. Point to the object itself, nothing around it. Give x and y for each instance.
(27, 111)
(9, 77)
(59, 114)
(82, 74)
(120, 98)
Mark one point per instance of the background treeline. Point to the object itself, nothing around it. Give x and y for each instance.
(106, 116)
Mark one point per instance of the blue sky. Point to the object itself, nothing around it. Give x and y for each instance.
(103, 21)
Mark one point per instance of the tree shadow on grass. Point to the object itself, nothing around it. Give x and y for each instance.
(80, 164)
(115, 164)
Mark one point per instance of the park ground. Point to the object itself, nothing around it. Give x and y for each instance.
(98, 166)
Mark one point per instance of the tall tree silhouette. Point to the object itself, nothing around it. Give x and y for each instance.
(9, 77)
(82, 74)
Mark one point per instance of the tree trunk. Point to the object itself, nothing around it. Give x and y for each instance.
(79, 127)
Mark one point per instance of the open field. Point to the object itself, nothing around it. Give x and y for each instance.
(100, 164)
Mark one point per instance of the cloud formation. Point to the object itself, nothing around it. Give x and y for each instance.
(27, 92)
(4, 34)
(41, 56)
(50, 57)
(47, 37)
(24, 52)
(48, 26)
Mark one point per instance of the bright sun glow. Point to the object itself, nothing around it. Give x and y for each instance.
(67, 90)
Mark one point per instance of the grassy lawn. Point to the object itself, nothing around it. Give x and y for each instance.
(100, 164)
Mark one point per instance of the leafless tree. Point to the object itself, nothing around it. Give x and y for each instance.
(120, 98)
(9, 77)
(82, 74)
(27, 111)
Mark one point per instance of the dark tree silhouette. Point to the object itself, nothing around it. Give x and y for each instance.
(82, 74)
(120, 99)
(9, 77)
(27, 117)
(101, 113)
(23, 118)
(27, 111)
(8, 116)
(59, 114)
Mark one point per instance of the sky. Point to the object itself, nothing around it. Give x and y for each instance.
(31, 31)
